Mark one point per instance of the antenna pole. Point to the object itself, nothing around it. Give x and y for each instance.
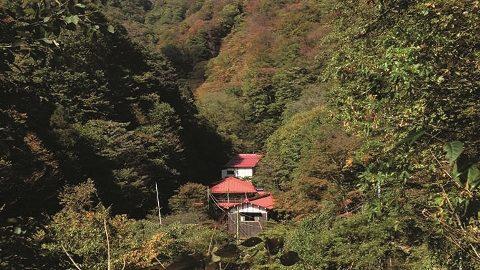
(158, 204)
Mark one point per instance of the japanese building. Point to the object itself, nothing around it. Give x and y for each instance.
(246, 208)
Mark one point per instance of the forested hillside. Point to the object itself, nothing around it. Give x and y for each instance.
(80, 101)
(367, 113)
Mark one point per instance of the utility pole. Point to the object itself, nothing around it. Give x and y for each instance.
(158, 204)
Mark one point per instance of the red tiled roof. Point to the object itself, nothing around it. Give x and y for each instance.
(265, 201)
(233, 185)
(244, 161)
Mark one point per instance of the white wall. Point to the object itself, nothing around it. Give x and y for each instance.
(238, 172)
(248, 208)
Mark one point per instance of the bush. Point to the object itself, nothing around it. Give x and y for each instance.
(190, 197)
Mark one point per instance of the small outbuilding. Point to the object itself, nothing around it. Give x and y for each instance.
(248, 218)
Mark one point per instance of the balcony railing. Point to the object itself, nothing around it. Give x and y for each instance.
(231, 200)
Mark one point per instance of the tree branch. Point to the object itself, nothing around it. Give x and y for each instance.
(70, 257)
(124, 263)
(109, 267)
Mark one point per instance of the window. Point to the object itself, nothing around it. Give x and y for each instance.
(250, 216)
(230, 172)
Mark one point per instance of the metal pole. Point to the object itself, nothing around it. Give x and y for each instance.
(208, 198)
(158, 204)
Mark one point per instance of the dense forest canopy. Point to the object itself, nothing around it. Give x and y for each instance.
(367, 113)
(97, 106)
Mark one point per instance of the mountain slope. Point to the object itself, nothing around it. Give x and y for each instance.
(353, 104)
(366, 112)
(98, 107)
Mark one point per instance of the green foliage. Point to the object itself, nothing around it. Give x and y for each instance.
(80, 229)
(351, 102)
(254, 111)
(133, 155)
(190, 197)
(473, 178)
(399, 75)
(306, 145)
(193, 28)
(169, 12)
(356, 242)
(33, 28)
(453, 149)
(400, 82)
(228, 14)
(229, 117)
(99, 107)
(458, 208)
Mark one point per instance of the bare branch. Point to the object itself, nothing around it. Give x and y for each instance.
(211, 240)
(475, 251)
(124, 263)
(452, 209)
(160, 263)
(70, 257)
(109, 267)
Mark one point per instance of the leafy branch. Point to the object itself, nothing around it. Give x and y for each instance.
(466, 178)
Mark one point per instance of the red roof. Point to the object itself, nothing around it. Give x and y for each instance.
(244, 161)
(227, 205)
(233, 185)
(265, 201)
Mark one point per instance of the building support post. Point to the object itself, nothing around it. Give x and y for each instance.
(238, 225)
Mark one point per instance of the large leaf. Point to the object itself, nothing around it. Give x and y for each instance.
(439, 200)
(251, 242)
(274, 245)
(456, 174)
(74, 19)
(17, 230)
(227, 251)
(186, 262)
(290, 258)
(473, 178)
(454, 150)
(111, 29)
(216, 258)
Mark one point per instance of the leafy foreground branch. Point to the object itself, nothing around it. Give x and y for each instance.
(84, 235)
(457, 202)
(91, 238)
